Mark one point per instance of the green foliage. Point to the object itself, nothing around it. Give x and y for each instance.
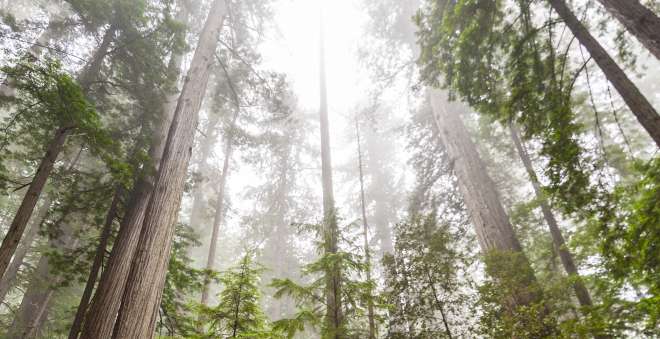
(310, 298)
(49, 99)
(178, 312)
(238, 313)
(427, 281)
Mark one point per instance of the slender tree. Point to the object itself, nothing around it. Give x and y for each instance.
(365, 234)
(334, 316)
(71, 101)
(220, 205)
(565, 255)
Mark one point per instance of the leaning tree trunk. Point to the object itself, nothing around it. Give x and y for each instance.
(144, 287)
(18, 225)
(557, 238)
(34, 305)
(100, 319)
(96, 265)
(16, 263)
(219, 207)
(33, 231)
(491, 223)
(334, 318)
(638, 104)
(365, 235)
(31, 314)
(639, 20)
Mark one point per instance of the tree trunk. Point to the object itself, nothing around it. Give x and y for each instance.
(33, 231)
(96, 265)
(557, 238)
(34, 305)
(10, 276)
(638, 104)
(198, 210)
(100, 319)
(334, 317)
(18, 225)
(219, 207)
(365, 235)
(639, 20)
(144, 287)
(17, 228)
(31, 314)
(490, 221)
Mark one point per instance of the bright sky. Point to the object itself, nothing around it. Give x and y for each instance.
(294, 49)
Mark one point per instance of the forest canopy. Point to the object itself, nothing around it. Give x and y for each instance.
(329, 169)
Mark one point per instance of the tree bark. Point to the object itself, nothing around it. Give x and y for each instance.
(219, 207)
(10, 276)
(34, 306)
(18, 225)
(490, 221)
(365, 234)
(638, 104)
(639, 20)
(96, 265)
(557, 238)
(334, 317)
(106, 303)
(33, 231)
(144, 287)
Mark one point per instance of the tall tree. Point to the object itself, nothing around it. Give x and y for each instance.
(220, 202)
(70, 111)
(365, 234)
(489, 219)
(639, 20)
(565, 255)
(334, 317)
(106, 302)
(144, 287)
(636, 101)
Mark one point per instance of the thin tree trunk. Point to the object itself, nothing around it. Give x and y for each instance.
(219, 207)
(18, 225)
(365, 235)
(639, 20)
(144, 287)
(105, 305)
(334, 317)
(10, 276)
(557, 238)
(96, 265)
(31, 314)
(490, 221)
(438, 303)
(34, 305)
(638, 104)
(33, 231)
